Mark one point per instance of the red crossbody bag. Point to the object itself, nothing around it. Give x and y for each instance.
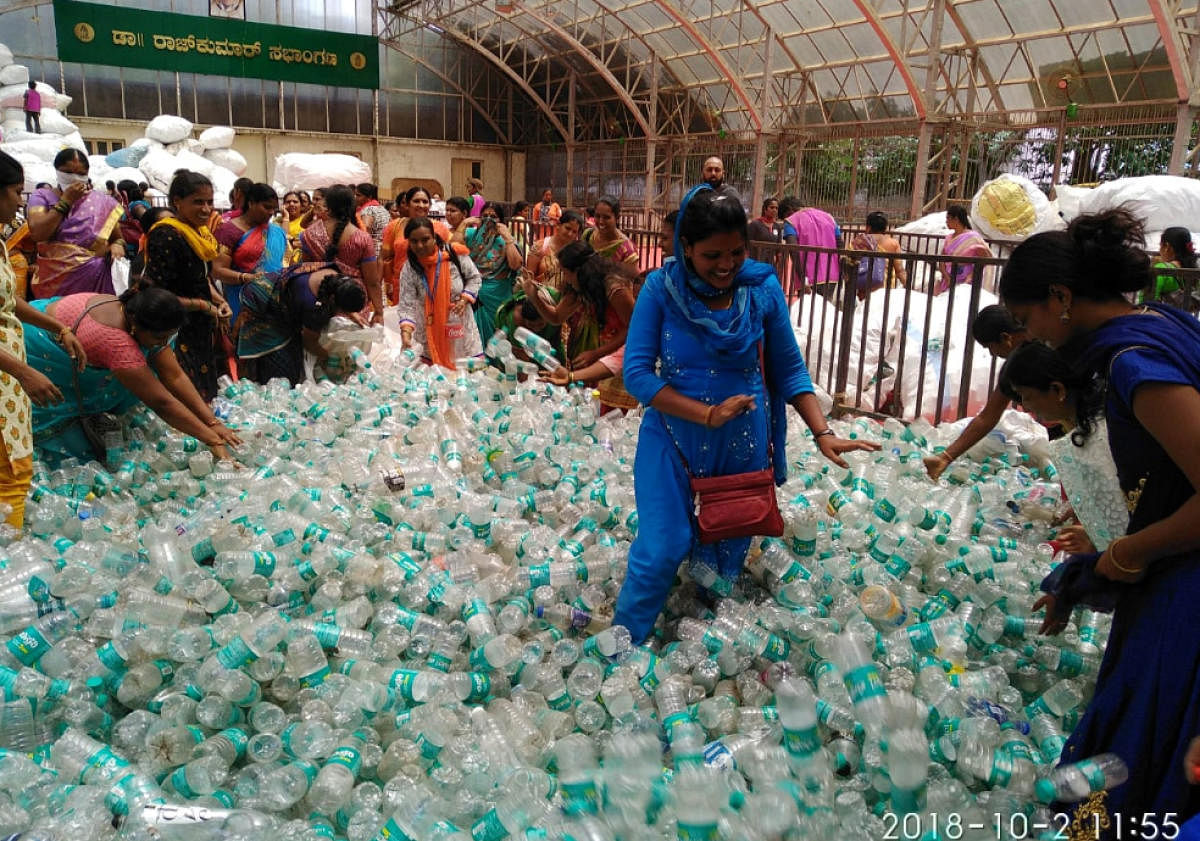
(739, 504)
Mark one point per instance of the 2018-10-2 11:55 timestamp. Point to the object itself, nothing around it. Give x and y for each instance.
(952, 826)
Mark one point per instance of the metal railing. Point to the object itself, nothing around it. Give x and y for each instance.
(906, 350)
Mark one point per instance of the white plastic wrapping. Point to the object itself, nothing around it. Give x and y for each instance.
(231, 159)
(217, 137)
(167, 128)
(301, 171)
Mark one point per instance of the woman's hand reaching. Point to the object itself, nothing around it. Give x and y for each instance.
(1074, 540)
(832, 448)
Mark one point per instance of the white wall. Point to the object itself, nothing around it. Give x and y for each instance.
(503, 169)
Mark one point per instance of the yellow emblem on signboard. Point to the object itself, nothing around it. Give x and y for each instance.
(358, 61)
(84, 32)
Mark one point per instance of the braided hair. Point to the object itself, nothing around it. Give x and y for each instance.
(339, 201)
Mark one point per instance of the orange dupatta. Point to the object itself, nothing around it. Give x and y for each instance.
(437, 308)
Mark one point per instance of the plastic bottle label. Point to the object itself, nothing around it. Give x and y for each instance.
(264, 564)
(203, 551)
(580, 797)
(802, 743)
(109, 658)
(28, 646)
(327, 634)
(402, 681)
(236, 654)
(1070, 664)
(1093, 773)
(104, 762)
(315, 678)
(864, 683)
(38, 589)
(777, 649)
(539, 576)
(237, 737)
(697, 831)
(481, 687)
(922, 638)
(347, 757)
(489, 828)
(390, 831)
(474, 608)
(180, 783)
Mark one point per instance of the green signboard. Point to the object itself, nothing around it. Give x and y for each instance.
(93, 34)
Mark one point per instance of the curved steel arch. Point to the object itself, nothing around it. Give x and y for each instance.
(595, 63)
(914, 90)
(479, 109)
(513, 75)
(1168, 30)
(715, 57)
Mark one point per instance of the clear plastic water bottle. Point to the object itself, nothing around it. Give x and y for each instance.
(1077, 780)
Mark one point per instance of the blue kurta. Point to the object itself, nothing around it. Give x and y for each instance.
(1146, 708)
(659, 334)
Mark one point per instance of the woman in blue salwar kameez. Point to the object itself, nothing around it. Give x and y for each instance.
(1068, 288)
(692, 358)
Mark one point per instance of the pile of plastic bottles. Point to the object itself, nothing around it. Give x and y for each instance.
(394, 623)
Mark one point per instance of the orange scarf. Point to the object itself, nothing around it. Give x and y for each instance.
(437, 307)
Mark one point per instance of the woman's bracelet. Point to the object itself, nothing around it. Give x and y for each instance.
(62, 206)
(822, 433)
(1112, 556)
(708, 416)
(215, 422)
(62, 334)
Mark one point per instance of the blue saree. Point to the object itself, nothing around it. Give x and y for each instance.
(1146, 706)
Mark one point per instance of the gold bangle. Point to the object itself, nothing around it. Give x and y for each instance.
(708, 416)
(1112, 556)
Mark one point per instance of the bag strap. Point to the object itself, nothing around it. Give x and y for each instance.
(762, 368)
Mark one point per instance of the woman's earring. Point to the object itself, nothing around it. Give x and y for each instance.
(1066, 315)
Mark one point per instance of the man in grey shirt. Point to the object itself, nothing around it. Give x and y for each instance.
(714, 176)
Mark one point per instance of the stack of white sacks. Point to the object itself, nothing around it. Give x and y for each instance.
(168, 144)
(35, 151)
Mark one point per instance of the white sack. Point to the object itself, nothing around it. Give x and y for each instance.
(14, 74)
(300, 171)
(167, 128)
(192, 161)
(945, 354)
(13, 96)
(127, 173)
(193, 145)
(217, 137)
(74, 139)
(53, 122)
(933, 223)
(222, 180)
(38, 172)
(159, 167)
(1160, 201)
(231, 159)
(6, 56)
(44, 149)
(176, 148)
(98, 168)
